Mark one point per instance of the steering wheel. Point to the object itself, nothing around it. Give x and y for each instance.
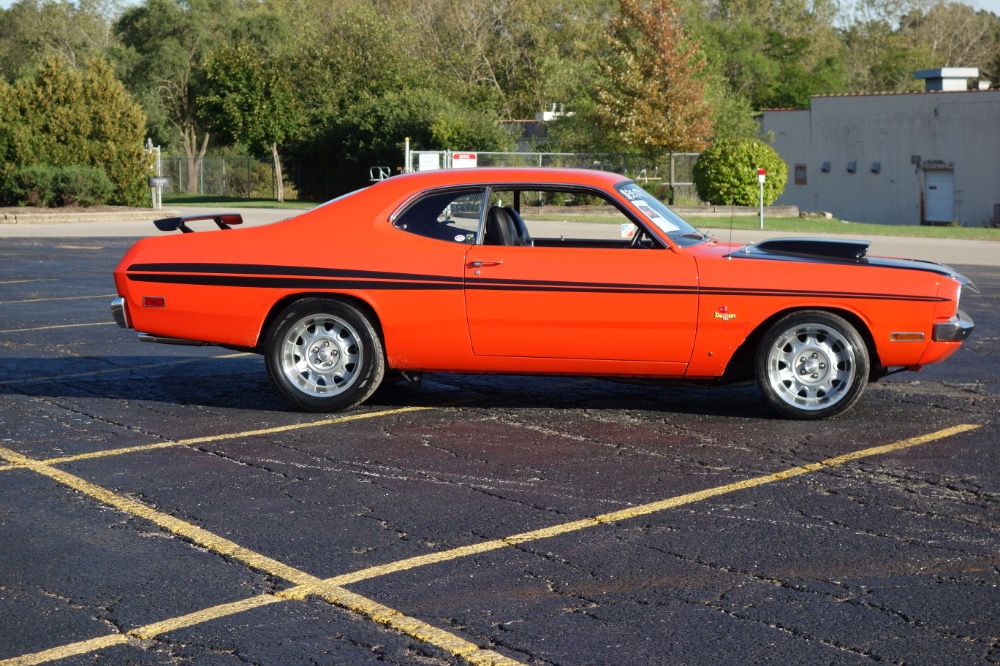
(641, 239)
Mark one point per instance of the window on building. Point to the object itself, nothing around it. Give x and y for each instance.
(800, 174)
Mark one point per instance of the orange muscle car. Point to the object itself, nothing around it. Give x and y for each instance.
(536, 271)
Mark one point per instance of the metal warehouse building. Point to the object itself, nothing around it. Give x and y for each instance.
(930, 157)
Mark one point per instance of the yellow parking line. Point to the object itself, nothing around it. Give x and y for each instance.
(50, 328)
(332, 589)
(637, 511)
(410, 626)
(66, 651)
(209, 439)
(151, 631)
(126, 368)
(332, 594)
(177, 526)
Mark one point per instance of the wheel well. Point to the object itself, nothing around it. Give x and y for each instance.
(280, 306)
(741, 365)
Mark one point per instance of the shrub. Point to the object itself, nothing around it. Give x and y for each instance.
(29, 186)
(45, 186)
(726, 173)
(82, 186)
(63, 117)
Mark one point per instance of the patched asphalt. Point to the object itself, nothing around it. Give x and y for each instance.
(162, 505)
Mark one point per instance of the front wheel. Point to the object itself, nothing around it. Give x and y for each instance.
(812, 365)
(324, 355)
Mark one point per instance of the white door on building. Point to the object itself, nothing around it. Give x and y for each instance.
(939, 196)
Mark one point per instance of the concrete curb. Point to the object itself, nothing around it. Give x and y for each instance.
(34, 217)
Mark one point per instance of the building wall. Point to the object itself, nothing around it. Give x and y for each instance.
(906, 135)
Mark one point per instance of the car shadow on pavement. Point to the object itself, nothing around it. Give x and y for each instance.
(240, 382)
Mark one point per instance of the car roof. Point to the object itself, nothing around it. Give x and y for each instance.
(506, 176)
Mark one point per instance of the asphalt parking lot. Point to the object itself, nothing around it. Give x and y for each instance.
(161, 505)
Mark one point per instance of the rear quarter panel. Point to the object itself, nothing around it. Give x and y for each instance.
(371, 261)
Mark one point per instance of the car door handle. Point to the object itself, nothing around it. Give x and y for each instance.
(485, 262)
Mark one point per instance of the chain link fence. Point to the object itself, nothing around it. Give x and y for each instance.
(670, 177)
(219, 176)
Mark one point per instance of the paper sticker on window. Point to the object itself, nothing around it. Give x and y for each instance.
(655, 217)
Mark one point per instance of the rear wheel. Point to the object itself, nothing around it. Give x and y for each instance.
(324, 355)
(812, 365)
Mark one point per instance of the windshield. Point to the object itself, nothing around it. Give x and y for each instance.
(661, 217)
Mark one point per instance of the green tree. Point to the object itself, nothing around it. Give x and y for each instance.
(117, 128)
(163, 43)
(953, 34)
(32, 30)
(652, 91)
(777, 62)
(726, 173)
(62, 117)
(373, 130)
(251, 100)
(879, 59)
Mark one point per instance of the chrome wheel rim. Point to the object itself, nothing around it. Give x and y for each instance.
(811, 366)
(321, 355)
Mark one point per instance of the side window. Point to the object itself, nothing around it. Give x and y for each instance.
(447, 216)
(569, 218)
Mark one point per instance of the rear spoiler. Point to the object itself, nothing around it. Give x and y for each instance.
(224, 220)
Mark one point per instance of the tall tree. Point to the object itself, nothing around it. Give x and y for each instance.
(653, 89)
(32, 30)
(777, 61)
(953, 34)
(251, 100)
(164, 43)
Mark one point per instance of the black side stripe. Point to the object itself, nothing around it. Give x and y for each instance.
(292, 282)
(303, 271)
(297, 277)
(734, 291)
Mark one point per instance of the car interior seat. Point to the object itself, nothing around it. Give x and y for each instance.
(500, 228)
(523, 237)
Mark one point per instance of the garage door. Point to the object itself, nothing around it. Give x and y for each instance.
(939, 196)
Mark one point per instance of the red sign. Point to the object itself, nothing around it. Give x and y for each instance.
(463, 160)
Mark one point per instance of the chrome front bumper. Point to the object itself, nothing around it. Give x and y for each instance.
(958, 328)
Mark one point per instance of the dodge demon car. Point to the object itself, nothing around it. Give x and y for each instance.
(535, 271)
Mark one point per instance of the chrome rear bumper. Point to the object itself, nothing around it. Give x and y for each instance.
(119, 310)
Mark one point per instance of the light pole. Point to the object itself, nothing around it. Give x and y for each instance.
(761, 175)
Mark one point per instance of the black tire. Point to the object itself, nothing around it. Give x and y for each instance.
(812, 365)
(324, 355)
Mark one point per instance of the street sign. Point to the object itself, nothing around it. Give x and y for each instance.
(463, 160)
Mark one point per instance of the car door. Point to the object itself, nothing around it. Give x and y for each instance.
(615, 304)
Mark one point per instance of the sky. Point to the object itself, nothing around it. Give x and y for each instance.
(989, 5)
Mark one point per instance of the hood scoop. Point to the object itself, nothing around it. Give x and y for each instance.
(811, 248)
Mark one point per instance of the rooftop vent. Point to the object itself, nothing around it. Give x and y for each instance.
(947, 78)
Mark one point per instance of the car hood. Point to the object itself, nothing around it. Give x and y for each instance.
(829, 251)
